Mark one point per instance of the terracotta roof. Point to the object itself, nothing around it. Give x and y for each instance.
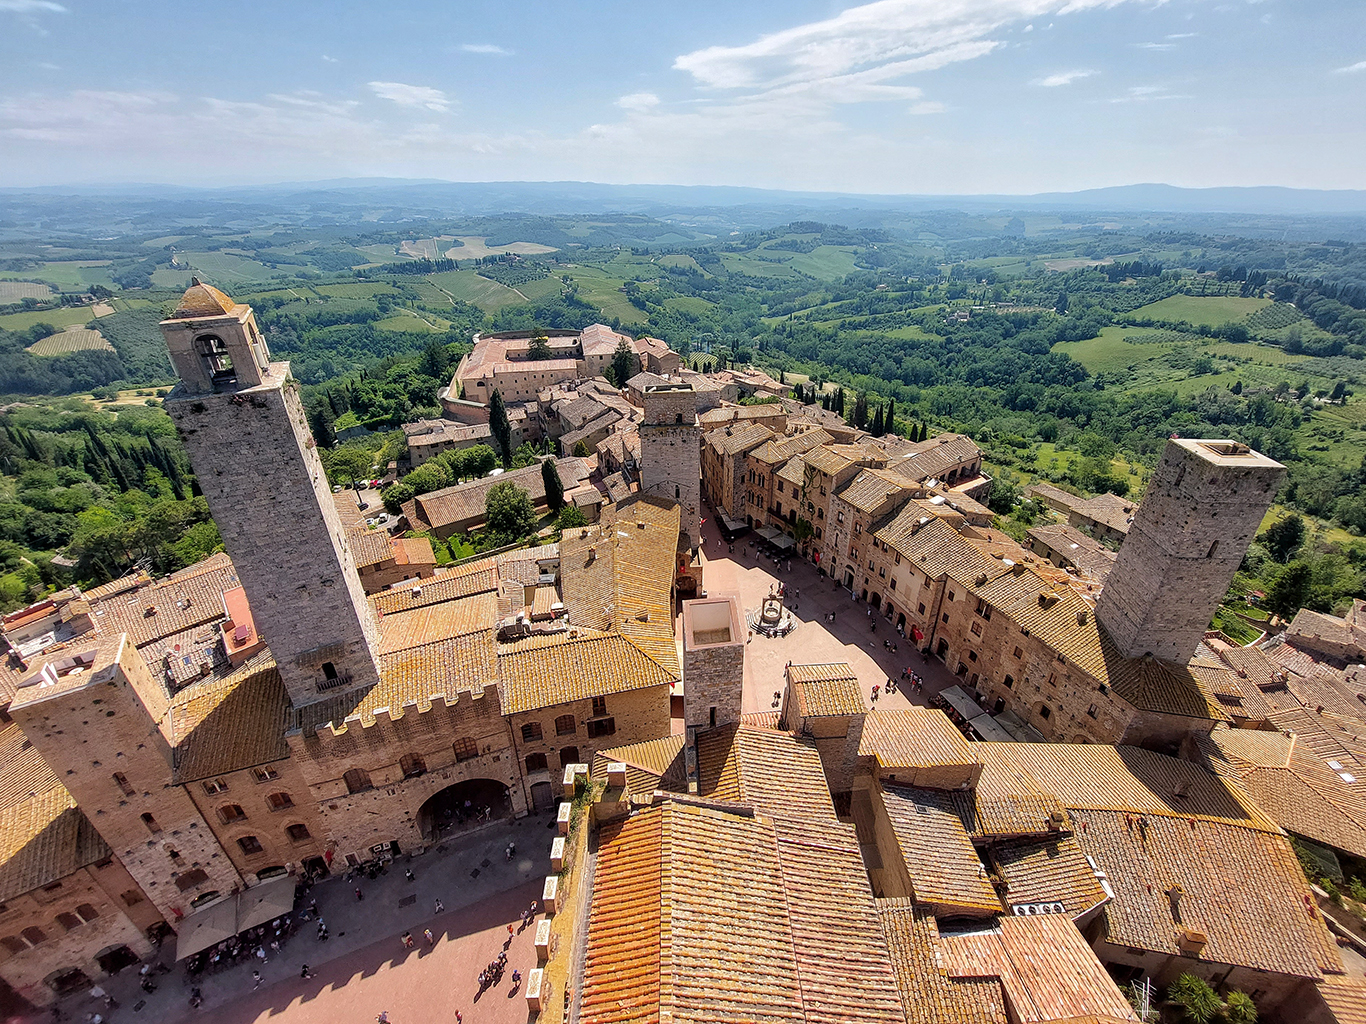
(180, 601)
(736, 441)
(1238, 697)
(1345, 998)
(543, 672)
(652, 765)
(698, 913)
(872, 489)
(1047, 870)
(524, 565)
(1052, 495)
(914, 738)
(432, 622)
(43, 834)
(739, 414)
(1076, 548)
(945, 872)
(202, 300)
(793, 471)
(928, 994)
(447, 585)
(775, 772)
(225, 725)
(781, 449)
(1299, 790)
(826, 690)
(465, 502)
(369, 547)
(1048, 971)
(931, 458)
(830, 459)
(1108, 509)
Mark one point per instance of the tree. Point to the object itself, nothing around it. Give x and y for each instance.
(1291, 589)
(554, 489)
(1240, 1009)
(571, 518)
(540, 344)
(876, 428)
(1060, 306)
(1339, 392)
(889, 421)
(500, 427)
(1284, 537)
(625, 363)
(860, 416)
(581, 449)
(1195, 996)
(509, 514)
(352, 462)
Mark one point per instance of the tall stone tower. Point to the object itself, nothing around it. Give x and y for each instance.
(240, 417)
(671, 452)
(1203, 506)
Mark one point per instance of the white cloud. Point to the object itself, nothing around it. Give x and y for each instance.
(1063, 78)
(930, 107)
(1352, 69)
(1156, 46)
(489, 48)
(1144, 93)
(639, 101)
(330, 60)
(31, 7)
(1182, 35)
(413, 96)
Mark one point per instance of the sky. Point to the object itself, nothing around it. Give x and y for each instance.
(896, 96)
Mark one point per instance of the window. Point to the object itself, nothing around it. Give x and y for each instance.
(898, 558)
(1019, 653)
(87, 912)
(249, 845)
(976, 629)
(190, 879)
(14, 944)
(893, 583)
(945, 617)
(972, 655)
(412, 765)
(881, 572)
(531, 731)
(229, 813)
(599, 706)
(298, 833)
(780, 487)
(131, 897)
(536, 763)
(215, 786)
(568, 756)
(602, 727)
(1091, 711)
(950, 595)
(279, 801)
(565, 725)
(68, 921)
(466, 747)
(922, 609)
(34, 936)
(1052, 679)
(839, 517)
(1044, 711)
(1008, 682)
(122, 782)
(329, 671)
(983, 609)
(151, 823)
(266, 774)
(357, 780)
(820, 513)
(858, 528)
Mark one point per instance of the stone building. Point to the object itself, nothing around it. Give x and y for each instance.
(670, 452)
(767, 503)
(724, 465)
(854, 509)
(1106, 517)
(1067, 547)
(383, 560)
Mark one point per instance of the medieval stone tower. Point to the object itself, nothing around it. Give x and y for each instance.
(671, 452)
(244, 427)
(1203, 506)
(98, 713)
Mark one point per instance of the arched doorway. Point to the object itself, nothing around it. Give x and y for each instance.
(462, 806)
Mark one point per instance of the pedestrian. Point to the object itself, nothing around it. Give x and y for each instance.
(407, 939)
(305, 973)
(510, 931)
(359, 895)
(408, 874)
(440, 907)
(427, 934)
(458, 1018)
(256, 979)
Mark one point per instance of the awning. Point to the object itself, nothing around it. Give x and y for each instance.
(784, 543)
(1023, 732)
(767, 532)
(957, 698)
(734, 525)
(265, 902)
(207, 927)
(987, 728)
(233, 915)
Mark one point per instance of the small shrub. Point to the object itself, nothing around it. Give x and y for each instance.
(1200, 1002)
(1240, 1009)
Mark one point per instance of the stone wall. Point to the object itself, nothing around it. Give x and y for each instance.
(670, 453)
(713, 668)
(259, 470)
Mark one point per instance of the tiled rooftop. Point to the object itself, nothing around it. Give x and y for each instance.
(654, 764)
(823, 690)
(733, 441)
(913, 738)
(221, 726)
(544, 671)
(872, 489)
(946, 874)
(779, 450)
(775, 772)
(928, 994)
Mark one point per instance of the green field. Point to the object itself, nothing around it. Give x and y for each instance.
(466, 285)
(75, 339)
(356, 289)
(604, 291)
(179, 279)
(689, 304)
(224, 269)
(1206, 311)
(681, 260)
(69, 275)
(752, 267)
(13, 291)
(410, 323)
(545, 288)
(65, 316)
(826, 262)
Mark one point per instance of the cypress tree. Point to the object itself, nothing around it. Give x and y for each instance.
(500, 427)
(889, 422)
(554, 490)
(876, 428)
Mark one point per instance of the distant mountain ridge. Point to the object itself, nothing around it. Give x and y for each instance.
(569, 197)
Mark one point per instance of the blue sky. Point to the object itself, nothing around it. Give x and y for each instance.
(909, 96)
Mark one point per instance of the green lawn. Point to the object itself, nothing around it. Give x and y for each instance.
(1110, 352)
(826, 262)
(356, 289)
(1268, 354)
(68, 275)
(545, 288)
(1208, 311)
(226, 270)
(748, 265)
(177, 278)
(410, 323)
(681, 260)
(604, 291)
(689, 304)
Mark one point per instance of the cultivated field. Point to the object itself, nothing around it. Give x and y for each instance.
(13, 291)
(466, 285)
(1207, 311)
(1062, 266)
(68, 274)
(472, 247)
(224, 269)
(73, 339)
(63, 316)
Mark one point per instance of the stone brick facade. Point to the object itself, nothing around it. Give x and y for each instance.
(670, 452)
(714, 635)
(1203, 506)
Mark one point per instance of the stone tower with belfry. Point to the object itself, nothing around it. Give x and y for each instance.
(242, 422)
(1203, 506)
(671, 452)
